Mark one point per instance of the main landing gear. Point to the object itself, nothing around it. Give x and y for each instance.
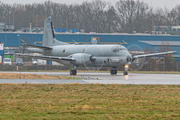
(73, 72)
(113, 71)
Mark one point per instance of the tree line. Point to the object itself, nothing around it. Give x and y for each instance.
(95, 16)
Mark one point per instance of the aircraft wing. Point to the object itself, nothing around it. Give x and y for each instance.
(51, 58)
(40, 47)
(153, 54)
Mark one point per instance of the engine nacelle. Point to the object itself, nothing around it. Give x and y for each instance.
(81, 58)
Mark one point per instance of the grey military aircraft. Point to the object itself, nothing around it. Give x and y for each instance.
(74, 55)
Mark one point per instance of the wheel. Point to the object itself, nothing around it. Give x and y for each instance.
(125, 73)
(71, 72)
(113, 72)
(74, 72)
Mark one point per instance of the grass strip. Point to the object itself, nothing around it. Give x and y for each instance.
(32, 76)
(89, 101)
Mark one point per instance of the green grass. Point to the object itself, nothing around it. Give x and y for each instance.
(72, 78)
(89, 101)
(32, 76)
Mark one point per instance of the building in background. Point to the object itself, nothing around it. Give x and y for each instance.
(134, 42)
(172, 30)
(4, 27)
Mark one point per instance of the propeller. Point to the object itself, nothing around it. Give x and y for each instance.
(96, 62)
(137, 64)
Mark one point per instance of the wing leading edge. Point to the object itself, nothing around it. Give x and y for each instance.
(153, 54)
(51, 58)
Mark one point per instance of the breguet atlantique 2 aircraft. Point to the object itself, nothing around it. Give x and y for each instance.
(94, 56)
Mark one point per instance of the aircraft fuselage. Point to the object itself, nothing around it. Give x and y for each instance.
(106, 55)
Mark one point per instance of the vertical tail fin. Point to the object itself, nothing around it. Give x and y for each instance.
(48, 34)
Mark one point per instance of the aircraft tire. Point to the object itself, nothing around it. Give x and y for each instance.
(113, 72)
(74, 72)
(71, 72)
(125, 73)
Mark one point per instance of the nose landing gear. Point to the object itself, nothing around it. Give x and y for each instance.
(126, 69)
(125, 73)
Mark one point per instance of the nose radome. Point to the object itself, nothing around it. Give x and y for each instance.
(128, 58)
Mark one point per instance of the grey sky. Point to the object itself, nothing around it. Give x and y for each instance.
(154, 3)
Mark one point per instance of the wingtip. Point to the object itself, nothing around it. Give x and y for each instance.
(174, 51)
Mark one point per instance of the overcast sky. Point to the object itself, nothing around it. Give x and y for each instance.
(154, 3)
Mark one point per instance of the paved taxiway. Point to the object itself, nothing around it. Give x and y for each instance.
(103, 78)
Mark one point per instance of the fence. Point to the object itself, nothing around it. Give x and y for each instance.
(168, 64)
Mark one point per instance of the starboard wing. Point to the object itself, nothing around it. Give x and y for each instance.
(153, 54)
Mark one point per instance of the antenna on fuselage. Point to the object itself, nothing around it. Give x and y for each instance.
(24, 43)
(124, 42)
(75, 42)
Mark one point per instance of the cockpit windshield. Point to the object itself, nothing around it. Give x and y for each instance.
(118, 48)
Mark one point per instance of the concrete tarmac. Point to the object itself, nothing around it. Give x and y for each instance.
(103, 78)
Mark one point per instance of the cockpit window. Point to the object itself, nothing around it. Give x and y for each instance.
(122, 48)
(117, 48)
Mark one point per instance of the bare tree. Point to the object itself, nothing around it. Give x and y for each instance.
(110, 20)
(95, 16)
(132, 15)
(175, 15)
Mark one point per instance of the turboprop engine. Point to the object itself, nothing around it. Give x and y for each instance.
(82, 58)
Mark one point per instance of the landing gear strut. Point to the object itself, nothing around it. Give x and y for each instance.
(73, 72)
(113, 71)
(126, 69)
